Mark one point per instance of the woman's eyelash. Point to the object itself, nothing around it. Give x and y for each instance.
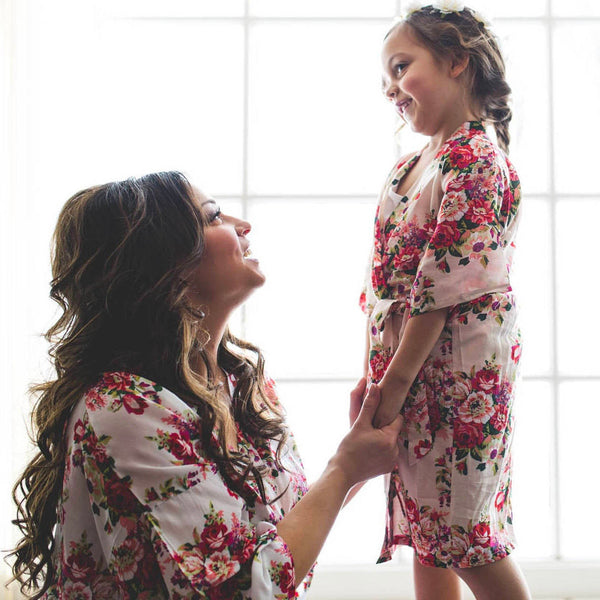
(216, 215)
(398, 68)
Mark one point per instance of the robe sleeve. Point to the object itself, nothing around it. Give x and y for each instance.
(152, 442)
(465, 257)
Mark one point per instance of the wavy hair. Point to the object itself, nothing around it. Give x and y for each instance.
(120, 254)
(464, 33)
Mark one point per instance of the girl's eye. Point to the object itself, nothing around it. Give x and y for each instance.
(399, 67)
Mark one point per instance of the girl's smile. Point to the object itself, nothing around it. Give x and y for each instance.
(426, 90)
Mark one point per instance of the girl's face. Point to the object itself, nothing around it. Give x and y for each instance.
(423, 88)
(226, 274)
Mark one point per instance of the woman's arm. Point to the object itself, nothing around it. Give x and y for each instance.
(364, 453)
(421, 334)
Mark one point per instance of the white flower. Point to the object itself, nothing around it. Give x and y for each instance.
(443, 6)
(482, 18)
(448, 6)
(411, 7)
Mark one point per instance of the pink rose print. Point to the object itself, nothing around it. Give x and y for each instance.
(499, 420)
(461, 156)
(412, 511)
(117, 382)
(454, 207)
(77, 591)
(80, 566)
(182, 448)
(446, 233)
(487, 380)
(480, 211)
(478, 407)
(193, 563)
(478, 556)
(134, 404)
(515, 352)
(481, 535)
(126, 558)
(218, 567)
(214, 537)
(467, 435)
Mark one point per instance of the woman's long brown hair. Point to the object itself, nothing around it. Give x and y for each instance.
(120, 252)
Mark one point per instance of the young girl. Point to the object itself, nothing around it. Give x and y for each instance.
(443, 340)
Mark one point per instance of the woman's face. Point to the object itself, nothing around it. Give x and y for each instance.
(226, 274)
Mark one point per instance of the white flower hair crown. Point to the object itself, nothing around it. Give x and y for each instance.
(445, 7)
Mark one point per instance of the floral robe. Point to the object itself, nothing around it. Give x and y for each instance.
(144, 514)
(449, 244)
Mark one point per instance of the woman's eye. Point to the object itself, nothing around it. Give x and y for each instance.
(216, 216)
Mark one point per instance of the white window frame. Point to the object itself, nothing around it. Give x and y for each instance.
(555, 578)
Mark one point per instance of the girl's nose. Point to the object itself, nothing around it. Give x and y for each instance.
(391, 91)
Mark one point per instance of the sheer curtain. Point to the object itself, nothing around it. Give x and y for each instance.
(273, 106)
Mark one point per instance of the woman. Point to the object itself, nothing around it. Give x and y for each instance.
(164, 459)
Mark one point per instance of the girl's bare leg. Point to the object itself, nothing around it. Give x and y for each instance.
(433, 583)
(496, 581)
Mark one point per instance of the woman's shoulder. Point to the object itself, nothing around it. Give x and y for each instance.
(117, 391)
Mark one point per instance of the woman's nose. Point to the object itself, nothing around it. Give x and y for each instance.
(243, 228)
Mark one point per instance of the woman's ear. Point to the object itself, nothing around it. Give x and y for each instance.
(458, 64)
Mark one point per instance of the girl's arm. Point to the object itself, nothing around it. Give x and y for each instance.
(421, 333)
(367, 351)
(364, 453)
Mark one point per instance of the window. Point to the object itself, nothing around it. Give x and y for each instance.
(274, 107)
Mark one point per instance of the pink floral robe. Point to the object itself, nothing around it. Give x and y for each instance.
(449, 244)
(145, 515)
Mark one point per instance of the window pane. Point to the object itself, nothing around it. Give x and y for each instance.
(509, 8)
(531, 281)
(314, 254)
(170, 103)
(323, 8)
(318, 120)
(532, 454)
(578, 286)
(172, 8)
(318, 415)
(580, 484)
(576, 8)
(576, 91)
(525, 50)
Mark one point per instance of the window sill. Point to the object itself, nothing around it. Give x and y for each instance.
(546, 579)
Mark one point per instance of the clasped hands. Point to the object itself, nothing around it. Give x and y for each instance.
(389, 396)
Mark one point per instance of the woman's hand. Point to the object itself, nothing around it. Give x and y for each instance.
(356, 401)
(367, 451)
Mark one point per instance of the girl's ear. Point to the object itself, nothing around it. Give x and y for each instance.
(458, 64)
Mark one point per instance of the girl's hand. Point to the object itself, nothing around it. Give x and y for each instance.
(356, 399)
(392, 400)
(366, 452)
